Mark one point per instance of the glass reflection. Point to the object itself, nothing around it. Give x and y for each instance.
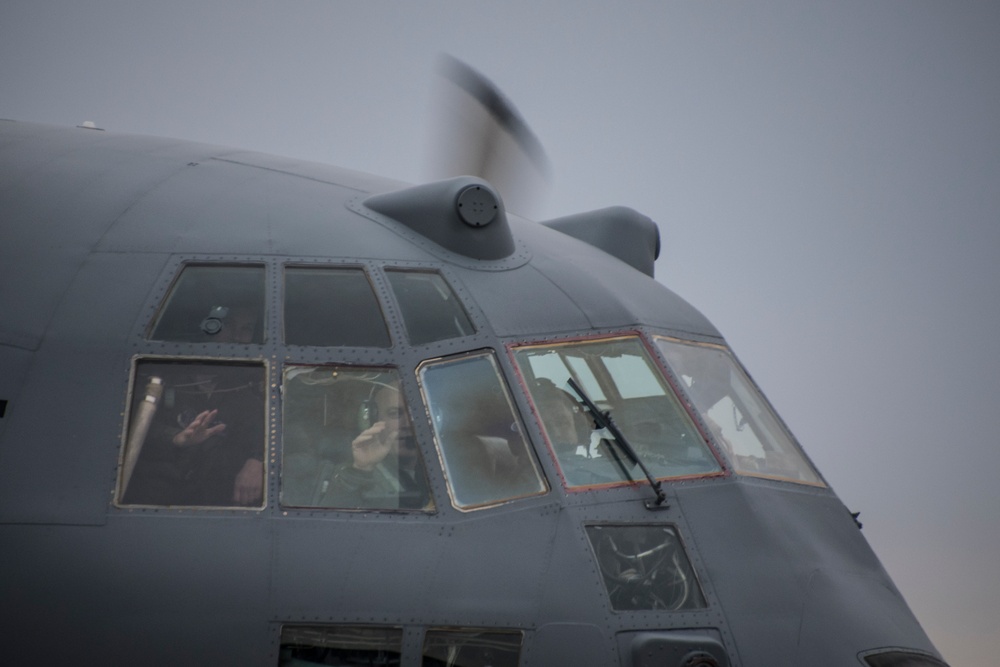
(196, 435)
(217, 304)
(480, 439)
(645, 567)
(469, 647)
(619, 376)
(737, 414)
(348, 441)
(429, 307)
(332, 307)
(344, 646)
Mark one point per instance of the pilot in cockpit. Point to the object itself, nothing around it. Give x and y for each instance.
(384, 469)
(203, 442)
(571, 433)
(564, 419)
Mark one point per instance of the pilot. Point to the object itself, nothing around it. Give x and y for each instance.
(564, 419)
(240, 326)
(384, 471)
(571, 433)
(205, 446)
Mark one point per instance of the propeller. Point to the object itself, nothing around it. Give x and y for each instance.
(479, 133)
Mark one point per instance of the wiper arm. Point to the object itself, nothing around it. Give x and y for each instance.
(603, 420)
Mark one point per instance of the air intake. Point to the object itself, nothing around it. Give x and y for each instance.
(619, 231)
(464, 215)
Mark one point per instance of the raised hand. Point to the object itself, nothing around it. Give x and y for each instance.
(373, 445)
(199, 430)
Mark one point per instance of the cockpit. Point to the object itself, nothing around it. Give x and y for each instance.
(315, 375)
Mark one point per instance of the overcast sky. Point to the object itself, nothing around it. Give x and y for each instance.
(826, 177)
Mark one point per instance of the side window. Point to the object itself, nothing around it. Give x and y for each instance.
(348, 441)
(303, 645)
(221, 304)
(737, 413)
(429, 307)
(471, 647)
(195, 435)
(480, 439)
(332, 307)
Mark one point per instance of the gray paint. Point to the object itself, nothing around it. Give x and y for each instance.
(162, 586)
(620, 231)
(483, 236)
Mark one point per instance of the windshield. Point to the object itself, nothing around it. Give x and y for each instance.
(619, 376)
(736, 413)
(480, 440)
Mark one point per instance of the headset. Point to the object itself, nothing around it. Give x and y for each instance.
(368, 413)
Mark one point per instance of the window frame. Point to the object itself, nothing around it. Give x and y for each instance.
(401, 310)
(493, 358)
(593, 528)
(667, 383)
(430, 506)
(366, 271)
(762, 402)
(164, 301)
(128, 418)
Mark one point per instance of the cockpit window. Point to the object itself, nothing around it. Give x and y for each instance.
(645, 567)
(195, 435)
(738, 415)
(214, 304)
(429, 307)
(618, 375)
(305, 645)
(471, 647)
(348, 441)
(332, 307)
(480, 439)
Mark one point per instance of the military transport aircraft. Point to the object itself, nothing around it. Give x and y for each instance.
(259, 411)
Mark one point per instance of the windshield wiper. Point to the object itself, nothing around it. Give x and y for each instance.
(603, 420)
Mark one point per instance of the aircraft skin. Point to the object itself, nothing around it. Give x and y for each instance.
(94, 228)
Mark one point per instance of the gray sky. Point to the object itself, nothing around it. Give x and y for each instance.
(826, 177)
